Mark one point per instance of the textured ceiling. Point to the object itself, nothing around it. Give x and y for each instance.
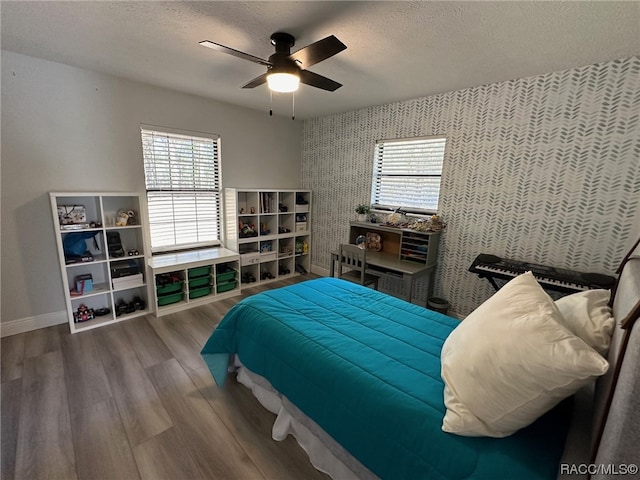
(395, 50)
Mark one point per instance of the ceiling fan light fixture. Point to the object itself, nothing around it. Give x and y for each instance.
(283, 82)
(286, 70)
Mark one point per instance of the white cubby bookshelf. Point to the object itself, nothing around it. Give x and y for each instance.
(100, 217)
(281, 244)
(188, 279)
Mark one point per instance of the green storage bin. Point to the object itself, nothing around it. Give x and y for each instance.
(169, 299)
(225, 277)
(199, 282)
(226, 286)
(169, 288)
(199, 271)
(200, 292)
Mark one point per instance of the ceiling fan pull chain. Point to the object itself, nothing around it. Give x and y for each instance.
(270, 103)
(293, 105)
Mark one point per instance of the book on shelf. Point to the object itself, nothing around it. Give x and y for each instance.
(127, 282)
(267, 203)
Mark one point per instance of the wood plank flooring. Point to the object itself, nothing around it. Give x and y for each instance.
(135, 400)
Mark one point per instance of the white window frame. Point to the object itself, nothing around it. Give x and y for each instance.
(413, 165)
(185, 193)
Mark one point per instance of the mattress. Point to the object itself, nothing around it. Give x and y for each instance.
(365, 367)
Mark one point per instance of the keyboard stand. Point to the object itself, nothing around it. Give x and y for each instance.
(491, 281)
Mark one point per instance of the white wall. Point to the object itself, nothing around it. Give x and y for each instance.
(67, 129)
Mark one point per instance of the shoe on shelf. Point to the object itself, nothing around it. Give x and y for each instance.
(248, 278)
(138, 303)
(300, 268)
(283, 270)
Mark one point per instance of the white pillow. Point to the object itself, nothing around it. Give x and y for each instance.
(587, 315)
(510, 361)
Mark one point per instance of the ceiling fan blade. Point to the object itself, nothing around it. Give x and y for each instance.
(318, 51)
(234, 52)
(318, 81)
(256, 81)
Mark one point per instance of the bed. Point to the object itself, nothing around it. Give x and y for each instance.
(355, 375)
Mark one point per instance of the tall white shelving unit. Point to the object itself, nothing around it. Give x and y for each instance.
(271, 230)
(101, 210)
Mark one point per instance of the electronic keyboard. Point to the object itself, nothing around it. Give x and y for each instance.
(550, 278)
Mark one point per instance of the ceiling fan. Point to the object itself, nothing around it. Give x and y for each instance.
(286, 70)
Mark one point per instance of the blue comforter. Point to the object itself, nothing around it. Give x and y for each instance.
(365, 366)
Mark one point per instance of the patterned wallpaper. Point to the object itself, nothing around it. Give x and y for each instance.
(544, 169)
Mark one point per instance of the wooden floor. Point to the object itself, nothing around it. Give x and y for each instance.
(135, 400)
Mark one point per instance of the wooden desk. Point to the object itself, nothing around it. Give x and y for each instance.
(397, 245)
(388, 264)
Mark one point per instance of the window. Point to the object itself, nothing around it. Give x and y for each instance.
(406, 174)
(182, 175)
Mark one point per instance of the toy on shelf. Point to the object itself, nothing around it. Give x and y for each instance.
(433, 224)
(83, 314)
(247, 230)
(374, 241)
(125, 217)
(124, 307)
(398, 218)
(122, 219)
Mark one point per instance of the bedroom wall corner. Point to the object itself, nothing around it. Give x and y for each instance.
(69, 129)
(543, 169)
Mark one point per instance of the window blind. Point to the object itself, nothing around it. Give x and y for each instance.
(182, 175)
(407, 173)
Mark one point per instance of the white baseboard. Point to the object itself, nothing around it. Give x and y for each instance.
(323, 272)
(21, 325)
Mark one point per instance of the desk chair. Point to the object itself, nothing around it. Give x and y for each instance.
(355, 259)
